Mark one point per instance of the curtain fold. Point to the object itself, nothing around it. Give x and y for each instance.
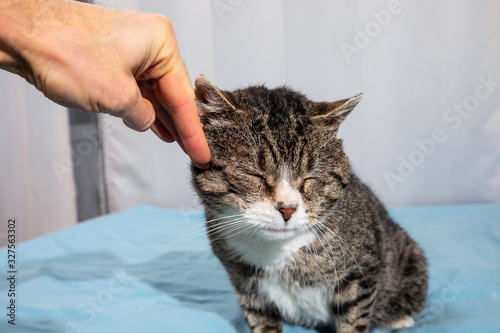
(36, 177)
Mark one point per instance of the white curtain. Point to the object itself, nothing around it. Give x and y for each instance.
(427, 131)
(36, 177)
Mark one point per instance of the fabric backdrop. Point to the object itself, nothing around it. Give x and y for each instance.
(36, 170)
(426, 131)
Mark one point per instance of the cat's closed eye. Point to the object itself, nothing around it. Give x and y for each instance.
(260, 179)
(308, 183)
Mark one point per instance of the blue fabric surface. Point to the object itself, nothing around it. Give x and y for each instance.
(152, 270)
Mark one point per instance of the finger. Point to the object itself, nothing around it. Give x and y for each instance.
(178, 98)
(163, 126)
(140, 115)
(159, 129)
(167, 122)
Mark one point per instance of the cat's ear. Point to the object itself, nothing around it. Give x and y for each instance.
(209, 98)
(334, 113)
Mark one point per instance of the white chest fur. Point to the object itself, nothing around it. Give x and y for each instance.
(306, 306)
(268, 255)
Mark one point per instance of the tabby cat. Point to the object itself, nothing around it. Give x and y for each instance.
(304, 241)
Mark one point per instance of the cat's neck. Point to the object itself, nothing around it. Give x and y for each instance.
(269, 255)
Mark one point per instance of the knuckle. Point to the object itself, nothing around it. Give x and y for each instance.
(121, 99)
(161, 22)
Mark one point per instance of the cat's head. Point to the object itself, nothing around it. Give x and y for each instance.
(277, 166)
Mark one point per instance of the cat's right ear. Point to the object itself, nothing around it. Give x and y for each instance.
(334, 113)
(210, 99)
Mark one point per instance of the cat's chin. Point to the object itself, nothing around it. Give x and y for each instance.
(278, 233)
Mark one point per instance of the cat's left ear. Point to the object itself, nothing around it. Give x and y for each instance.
(334, 113)
(210, 99)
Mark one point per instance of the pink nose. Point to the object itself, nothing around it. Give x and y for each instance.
(287, 212)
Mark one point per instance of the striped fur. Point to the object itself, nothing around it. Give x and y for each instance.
(338, 261)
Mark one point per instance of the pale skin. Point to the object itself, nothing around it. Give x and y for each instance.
(105, 60)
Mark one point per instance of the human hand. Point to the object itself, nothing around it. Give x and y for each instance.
(105, 60)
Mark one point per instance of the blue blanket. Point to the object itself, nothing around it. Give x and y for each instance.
(152, 270)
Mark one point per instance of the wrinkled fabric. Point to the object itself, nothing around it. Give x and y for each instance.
(152, 270)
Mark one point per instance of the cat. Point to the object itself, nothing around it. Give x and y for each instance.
(303, 240)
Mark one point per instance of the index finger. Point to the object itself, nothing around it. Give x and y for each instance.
(178, 96)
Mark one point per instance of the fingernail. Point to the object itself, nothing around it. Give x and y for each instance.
(202, 166)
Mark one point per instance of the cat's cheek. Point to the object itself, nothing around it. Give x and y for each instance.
(315, 207)
(311, 210)
(261, 213)
(234, 201)
(332, 191)
(210, 181)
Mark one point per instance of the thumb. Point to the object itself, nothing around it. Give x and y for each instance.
(140, 115)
